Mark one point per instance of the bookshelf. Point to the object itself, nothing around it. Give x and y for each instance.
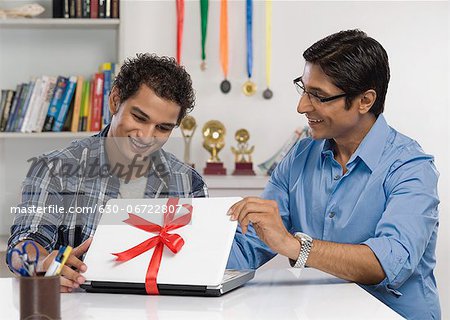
(47, 46)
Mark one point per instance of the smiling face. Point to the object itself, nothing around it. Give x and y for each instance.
(140, 125)
(331, 120)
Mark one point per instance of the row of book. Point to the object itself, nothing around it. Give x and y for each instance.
(90, 9)
(60, 103)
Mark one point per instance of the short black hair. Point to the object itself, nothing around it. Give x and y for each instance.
(163, 75)
(355, 63)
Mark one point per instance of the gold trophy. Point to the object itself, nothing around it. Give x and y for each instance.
(187, 127)
(214, 141)
(243, 164)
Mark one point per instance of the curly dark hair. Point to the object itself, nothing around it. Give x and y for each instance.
(355, 63)
(163, 75)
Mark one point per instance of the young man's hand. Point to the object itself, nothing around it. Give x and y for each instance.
(71, 272)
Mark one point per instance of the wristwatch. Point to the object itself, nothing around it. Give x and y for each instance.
(306, 243)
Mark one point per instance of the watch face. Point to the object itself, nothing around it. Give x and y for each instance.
(303, 236)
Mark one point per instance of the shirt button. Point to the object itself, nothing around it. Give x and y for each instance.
(332, 214)
(337, 177)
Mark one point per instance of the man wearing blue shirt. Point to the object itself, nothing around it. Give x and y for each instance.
(358, 199)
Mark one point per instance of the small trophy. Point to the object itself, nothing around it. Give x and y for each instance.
(214, 141)
(243, 154)
(187, 127)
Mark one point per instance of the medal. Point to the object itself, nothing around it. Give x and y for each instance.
(225, 86)
(249, 88)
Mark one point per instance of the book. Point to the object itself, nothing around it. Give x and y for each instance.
(108, 9)
(7, 108)
(77, 105)
(55, 103)
(43, 108)
(72, 9)
(115, 9)
(66, 9)
(66, 101)
(58, 9)
(84, 106)
(35, 93)
(15, 106)
(90, 105)
(3, 101)
(106, 68)
(35, 103)
(101, 8)
(94, 9)
(86, 10)
(97, 102)
(79, 8)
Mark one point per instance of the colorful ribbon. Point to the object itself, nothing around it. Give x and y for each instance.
(224, 37)
(249, 38)
(173, 241)
(180, 23)
(268, 40)
(204, 6)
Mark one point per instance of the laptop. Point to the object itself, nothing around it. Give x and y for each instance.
(198, 269)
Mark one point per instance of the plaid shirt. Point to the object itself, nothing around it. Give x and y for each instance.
(59, 192)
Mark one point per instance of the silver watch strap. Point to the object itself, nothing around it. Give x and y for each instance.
(306, 244)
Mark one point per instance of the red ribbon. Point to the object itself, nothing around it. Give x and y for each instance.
(173, 241)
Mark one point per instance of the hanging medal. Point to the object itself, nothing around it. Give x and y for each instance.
(204, 7)
(249, 87)
(268, 94)
(225, 85)
(180, 22)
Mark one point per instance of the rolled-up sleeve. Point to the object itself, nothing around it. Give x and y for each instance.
(408, 222)
(248, 251)
(38, 215)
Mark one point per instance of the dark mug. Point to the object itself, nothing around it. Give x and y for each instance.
(40, 298)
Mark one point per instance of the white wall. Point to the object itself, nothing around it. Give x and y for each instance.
(415, 35)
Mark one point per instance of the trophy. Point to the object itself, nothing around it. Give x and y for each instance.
(214, 140)
(243, 154)
(187, 127)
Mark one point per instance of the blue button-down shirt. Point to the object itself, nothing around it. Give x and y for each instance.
(386, 200)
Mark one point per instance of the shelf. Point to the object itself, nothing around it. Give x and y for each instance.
(236, 182)
(63, 23)
(65, 134)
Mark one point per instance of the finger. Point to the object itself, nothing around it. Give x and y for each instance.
(82, 248)
(64, 282)
(77, 263)
(254, 207)
(254, 218)
(72, 275)
(235, 207)
(268, 205)
(63, 289)
(240, 206)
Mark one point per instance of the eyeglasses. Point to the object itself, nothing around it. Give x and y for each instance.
(314, 96)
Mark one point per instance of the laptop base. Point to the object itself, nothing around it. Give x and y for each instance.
(169, 289)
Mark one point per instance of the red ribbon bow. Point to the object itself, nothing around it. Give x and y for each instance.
(174, 241)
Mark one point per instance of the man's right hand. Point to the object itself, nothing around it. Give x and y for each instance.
(71, 272)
